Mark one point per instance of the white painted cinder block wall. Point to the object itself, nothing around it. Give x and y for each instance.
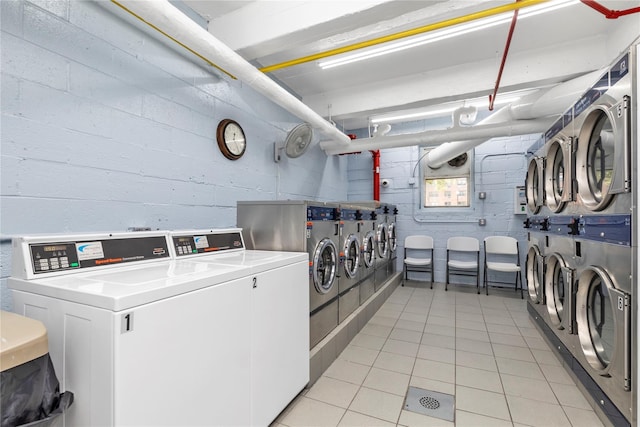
(106, 128)
(499, 166)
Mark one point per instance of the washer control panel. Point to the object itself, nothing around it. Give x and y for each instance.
(206, 242)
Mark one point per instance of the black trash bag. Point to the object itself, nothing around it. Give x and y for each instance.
(30, 393)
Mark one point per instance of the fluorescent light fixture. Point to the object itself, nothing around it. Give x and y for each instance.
(444, 34)
(415, 115)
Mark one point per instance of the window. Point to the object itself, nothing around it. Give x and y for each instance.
(449, 185)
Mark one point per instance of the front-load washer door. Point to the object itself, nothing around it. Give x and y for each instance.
(604, 322)
(534, 266)
(602, 156)
(325, 265)
(558, 280)
(534, 183)
(393, 239)
(382, 241)
(351, 256)
(558, 174)
(368, 249)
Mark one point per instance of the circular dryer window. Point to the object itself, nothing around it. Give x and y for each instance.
(555, 178)
(393, 239)
(595, 157)
(382, 240)
(556, 289)
(351, 256)
(368, 245)
(324, 266)
(533, 193)
(533, 275)
(596, 318)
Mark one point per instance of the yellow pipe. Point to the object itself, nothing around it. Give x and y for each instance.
(403, 34)
(173, 39)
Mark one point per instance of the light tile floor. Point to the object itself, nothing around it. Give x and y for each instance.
(482, 349)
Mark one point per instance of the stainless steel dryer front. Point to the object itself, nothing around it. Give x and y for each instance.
(301, 226)
(368, 259)
(559, 284)
(603, 317)
(350, 251)
(391, 213)
(382, 248)
(603, 161)
(534, 182)
(559, 175)
(534, 266)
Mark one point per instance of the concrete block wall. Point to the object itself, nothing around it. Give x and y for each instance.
(499, 167)
(105, 127)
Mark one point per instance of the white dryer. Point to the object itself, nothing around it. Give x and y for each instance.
(280, 299)
(138, 339)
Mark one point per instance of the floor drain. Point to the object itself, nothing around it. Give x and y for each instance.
(431, 403)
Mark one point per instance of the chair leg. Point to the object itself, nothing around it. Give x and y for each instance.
(446, 282)
(521, 290)
(486, 282)
(478, 280)
(431, 276)
(404, 274)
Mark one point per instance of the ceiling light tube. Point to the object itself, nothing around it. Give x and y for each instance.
(444, 34)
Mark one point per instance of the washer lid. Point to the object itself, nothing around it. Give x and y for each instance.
(130, 286)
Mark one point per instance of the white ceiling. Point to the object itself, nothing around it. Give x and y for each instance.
(546, 49)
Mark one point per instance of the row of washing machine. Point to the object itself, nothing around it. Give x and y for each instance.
(351, 247)
(580, 249)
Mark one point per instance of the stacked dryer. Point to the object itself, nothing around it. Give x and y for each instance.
(579, 201)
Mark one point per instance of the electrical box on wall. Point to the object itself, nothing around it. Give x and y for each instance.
(520, 196)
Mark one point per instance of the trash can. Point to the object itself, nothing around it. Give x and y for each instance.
(29, 389)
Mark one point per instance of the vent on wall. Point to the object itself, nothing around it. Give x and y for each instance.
(458, 166)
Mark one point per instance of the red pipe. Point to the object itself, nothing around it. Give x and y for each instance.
(609, 13)
(376, 174)
(492, 98)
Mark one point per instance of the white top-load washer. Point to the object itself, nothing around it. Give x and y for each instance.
(280, 310)
(139, 337)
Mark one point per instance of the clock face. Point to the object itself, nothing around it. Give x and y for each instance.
(231, 139)
(234, 138)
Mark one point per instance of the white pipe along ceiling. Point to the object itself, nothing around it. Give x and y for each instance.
(163, 16)
(532, 114)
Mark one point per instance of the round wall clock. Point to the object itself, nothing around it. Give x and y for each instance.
(231, 140)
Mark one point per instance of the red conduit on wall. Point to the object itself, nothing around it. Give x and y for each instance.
(376, 174)
(608, 13)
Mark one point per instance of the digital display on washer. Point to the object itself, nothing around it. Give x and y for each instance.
(59, 256)
(206, 243)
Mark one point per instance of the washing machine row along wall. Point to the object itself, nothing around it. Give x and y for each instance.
(368, 259)
(580, 220)
(144, 339)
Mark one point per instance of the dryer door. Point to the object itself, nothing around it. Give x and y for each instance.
(382, 241)
(534, 268)
(602, 157)
(393, 239)
(534, 185)
(368, 249)
(603, 317)
(559, 175)
(558, 281)
(351, 255)
(325, 265)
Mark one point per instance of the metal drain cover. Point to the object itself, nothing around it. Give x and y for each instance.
(430, 403)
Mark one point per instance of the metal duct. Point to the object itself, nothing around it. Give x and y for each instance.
(168, 20)
(532, 114)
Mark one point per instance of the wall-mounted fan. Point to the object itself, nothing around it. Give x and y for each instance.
(296, 143)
